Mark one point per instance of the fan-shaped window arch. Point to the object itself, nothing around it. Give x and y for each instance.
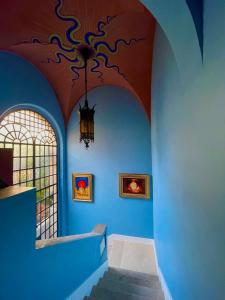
(34, 145)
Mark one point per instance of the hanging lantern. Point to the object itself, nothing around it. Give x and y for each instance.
(86, 124)
(86, 113)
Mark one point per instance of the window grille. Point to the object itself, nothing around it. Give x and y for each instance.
(34, 145)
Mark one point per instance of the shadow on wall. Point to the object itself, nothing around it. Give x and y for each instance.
(197, 9)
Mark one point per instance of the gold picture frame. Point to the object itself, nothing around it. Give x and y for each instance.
(134, 186)
(82, 187)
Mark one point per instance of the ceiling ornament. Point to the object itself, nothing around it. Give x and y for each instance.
(68, 47)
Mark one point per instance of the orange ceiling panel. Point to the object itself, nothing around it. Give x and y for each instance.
(48, 32)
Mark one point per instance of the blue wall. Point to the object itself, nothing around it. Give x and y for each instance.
(23, 86)
(53, 272)
(122, 145)
(188, 146)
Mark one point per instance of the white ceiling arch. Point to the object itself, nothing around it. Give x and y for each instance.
(176, 20)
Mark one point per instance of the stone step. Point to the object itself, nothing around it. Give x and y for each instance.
(121, 287)
(152, 282)
(105, 294)
(133, 274)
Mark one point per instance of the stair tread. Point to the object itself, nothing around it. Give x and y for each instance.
(133, 274)
(153, 281)
(129, 288)
(103, 294)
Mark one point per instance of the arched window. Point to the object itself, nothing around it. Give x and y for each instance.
(34, 145)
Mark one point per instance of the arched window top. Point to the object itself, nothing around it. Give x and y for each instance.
(34, 145)
(27, 127)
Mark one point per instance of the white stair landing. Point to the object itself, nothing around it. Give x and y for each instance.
(132, 253)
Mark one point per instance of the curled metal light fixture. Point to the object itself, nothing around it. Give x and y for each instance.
(86, 113)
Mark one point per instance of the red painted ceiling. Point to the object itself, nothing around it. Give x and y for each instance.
(29, 28)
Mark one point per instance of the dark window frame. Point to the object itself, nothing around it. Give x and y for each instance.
(35, 150)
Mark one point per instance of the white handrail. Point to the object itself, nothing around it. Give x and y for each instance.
(98, 230)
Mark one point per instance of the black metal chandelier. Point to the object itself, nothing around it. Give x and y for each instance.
(86, 113)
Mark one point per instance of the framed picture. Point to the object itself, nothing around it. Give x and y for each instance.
(134, 185)
(82, 187)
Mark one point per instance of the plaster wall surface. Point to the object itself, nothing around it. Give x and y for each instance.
(188, 146)
(122, 145)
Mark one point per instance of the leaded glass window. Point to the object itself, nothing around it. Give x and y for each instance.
(34, 145)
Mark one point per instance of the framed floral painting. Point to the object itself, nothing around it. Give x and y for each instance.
(134, 185)
(82, 187)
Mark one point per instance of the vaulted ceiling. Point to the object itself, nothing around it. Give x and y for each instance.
(48, 32)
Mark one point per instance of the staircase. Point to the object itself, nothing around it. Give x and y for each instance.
(120, 284)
